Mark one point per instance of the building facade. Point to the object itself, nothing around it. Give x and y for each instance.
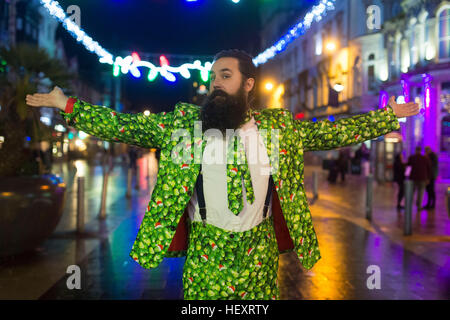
(357, 56)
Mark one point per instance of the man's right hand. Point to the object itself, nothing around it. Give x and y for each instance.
(55, 99)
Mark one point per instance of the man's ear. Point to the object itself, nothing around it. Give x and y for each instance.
(249, 84)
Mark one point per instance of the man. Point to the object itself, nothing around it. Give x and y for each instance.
(431, 195)
(231, 220)
(420, 174)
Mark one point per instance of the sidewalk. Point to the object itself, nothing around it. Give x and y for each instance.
(430, 228)
(30, 275)
(413, 267)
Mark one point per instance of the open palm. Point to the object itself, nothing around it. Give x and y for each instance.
(405, 109)
(55, 98)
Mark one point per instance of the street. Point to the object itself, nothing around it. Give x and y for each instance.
(411, 267)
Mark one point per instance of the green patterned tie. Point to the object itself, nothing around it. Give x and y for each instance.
(237, 170)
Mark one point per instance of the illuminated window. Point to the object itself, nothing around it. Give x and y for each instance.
(444, 34)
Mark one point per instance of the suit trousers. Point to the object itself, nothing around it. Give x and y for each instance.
(228, 265)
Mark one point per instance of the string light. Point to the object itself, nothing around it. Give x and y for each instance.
(129, 63)
(316, 14)
(133, 62)
(56, 11)
(132, 65)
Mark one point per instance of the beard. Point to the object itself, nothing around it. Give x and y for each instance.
(224, 111)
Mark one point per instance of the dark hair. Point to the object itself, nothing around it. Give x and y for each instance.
(246, 66)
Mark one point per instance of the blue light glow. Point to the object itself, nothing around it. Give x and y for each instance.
(316, 14)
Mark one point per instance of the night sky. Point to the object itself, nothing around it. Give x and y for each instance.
(162, 26)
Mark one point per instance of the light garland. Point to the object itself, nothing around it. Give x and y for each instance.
(316, 14)
(129, 63)
(132, 63)
(56, 11)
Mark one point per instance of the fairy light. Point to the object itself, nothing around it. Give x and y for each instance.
(56, 11)
(131, 63)
(316, 14)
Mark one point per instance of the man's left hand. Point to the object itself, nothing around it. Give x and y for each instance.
(404, 110)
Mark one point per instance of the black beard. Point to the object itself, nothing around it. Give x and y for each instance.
(224, 111)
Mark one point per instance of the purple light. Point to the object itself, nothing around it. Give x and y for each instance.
(405, 86)
(384, 97)
(427, 85)
(427, 97)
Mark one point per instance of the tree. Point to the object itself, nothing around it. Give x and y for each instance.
(23, 70)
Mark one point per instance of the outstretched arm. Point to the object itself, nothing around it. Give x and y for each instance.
(105, 123)
(325, 135)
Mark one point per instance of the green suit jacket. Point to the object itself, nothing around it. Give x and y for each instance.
(164, 229)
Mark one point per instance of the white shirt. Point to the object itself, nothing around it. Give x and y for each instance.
(215, 182)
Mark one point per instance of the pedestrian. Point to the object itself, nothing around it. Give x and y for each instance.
(420, 174)
(342, 163)
(431, 194)
(230, 219)
(399, 178)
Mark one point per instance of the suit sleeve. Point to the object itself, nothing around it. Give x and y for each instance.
(109, 125)
(325, 135)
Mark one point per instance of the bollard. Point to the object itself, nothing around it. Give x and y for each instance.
(128, 195)
(448, 200)
(137, 186)
(369, 197)
(315, 186)
(102, 213)
(148, 166)
(80, 205)
(408, 207)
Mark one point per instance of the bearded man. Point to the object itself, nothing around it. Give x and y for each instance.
(237, 200)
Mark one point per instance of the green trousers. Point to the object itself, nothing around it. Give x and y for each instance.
(228, 265)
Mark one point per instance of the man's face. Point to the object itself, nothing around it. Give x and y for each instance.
(225, 75)
(226, 105)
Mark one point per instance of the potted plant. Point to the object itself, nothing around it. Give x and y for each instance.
(31, 198)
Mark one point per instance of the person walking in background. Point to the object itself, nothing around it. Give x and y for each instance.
(399, 178)
(420, 174)
(342, 163)
(431, 195)
(360, 160)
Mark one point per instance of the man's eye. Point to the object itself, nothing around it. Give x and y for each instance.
(226, 76)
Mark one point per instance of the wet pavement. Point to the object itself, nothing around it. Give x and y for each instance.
(411, 267)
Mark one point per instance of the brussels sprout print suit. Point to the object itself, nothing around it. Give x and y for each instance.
(219, 265)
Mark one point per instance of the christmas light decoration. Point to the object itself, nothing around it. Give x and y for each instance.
(129, 63)
(56, 11)
(316, 14)
(133, 62)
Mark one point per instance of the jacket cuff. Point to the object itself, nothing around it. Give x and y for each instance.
(69, 105)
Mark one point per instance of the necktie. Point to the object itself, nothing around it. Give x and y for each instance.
(238, 173)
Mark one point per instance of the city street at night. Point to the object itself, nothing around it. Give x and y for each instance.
(412, 267)
(251, 150)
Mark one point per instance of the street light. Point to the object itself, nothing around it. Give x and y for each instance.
(330, 46)
(268, 86)
(338, 87)
(146, 113)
